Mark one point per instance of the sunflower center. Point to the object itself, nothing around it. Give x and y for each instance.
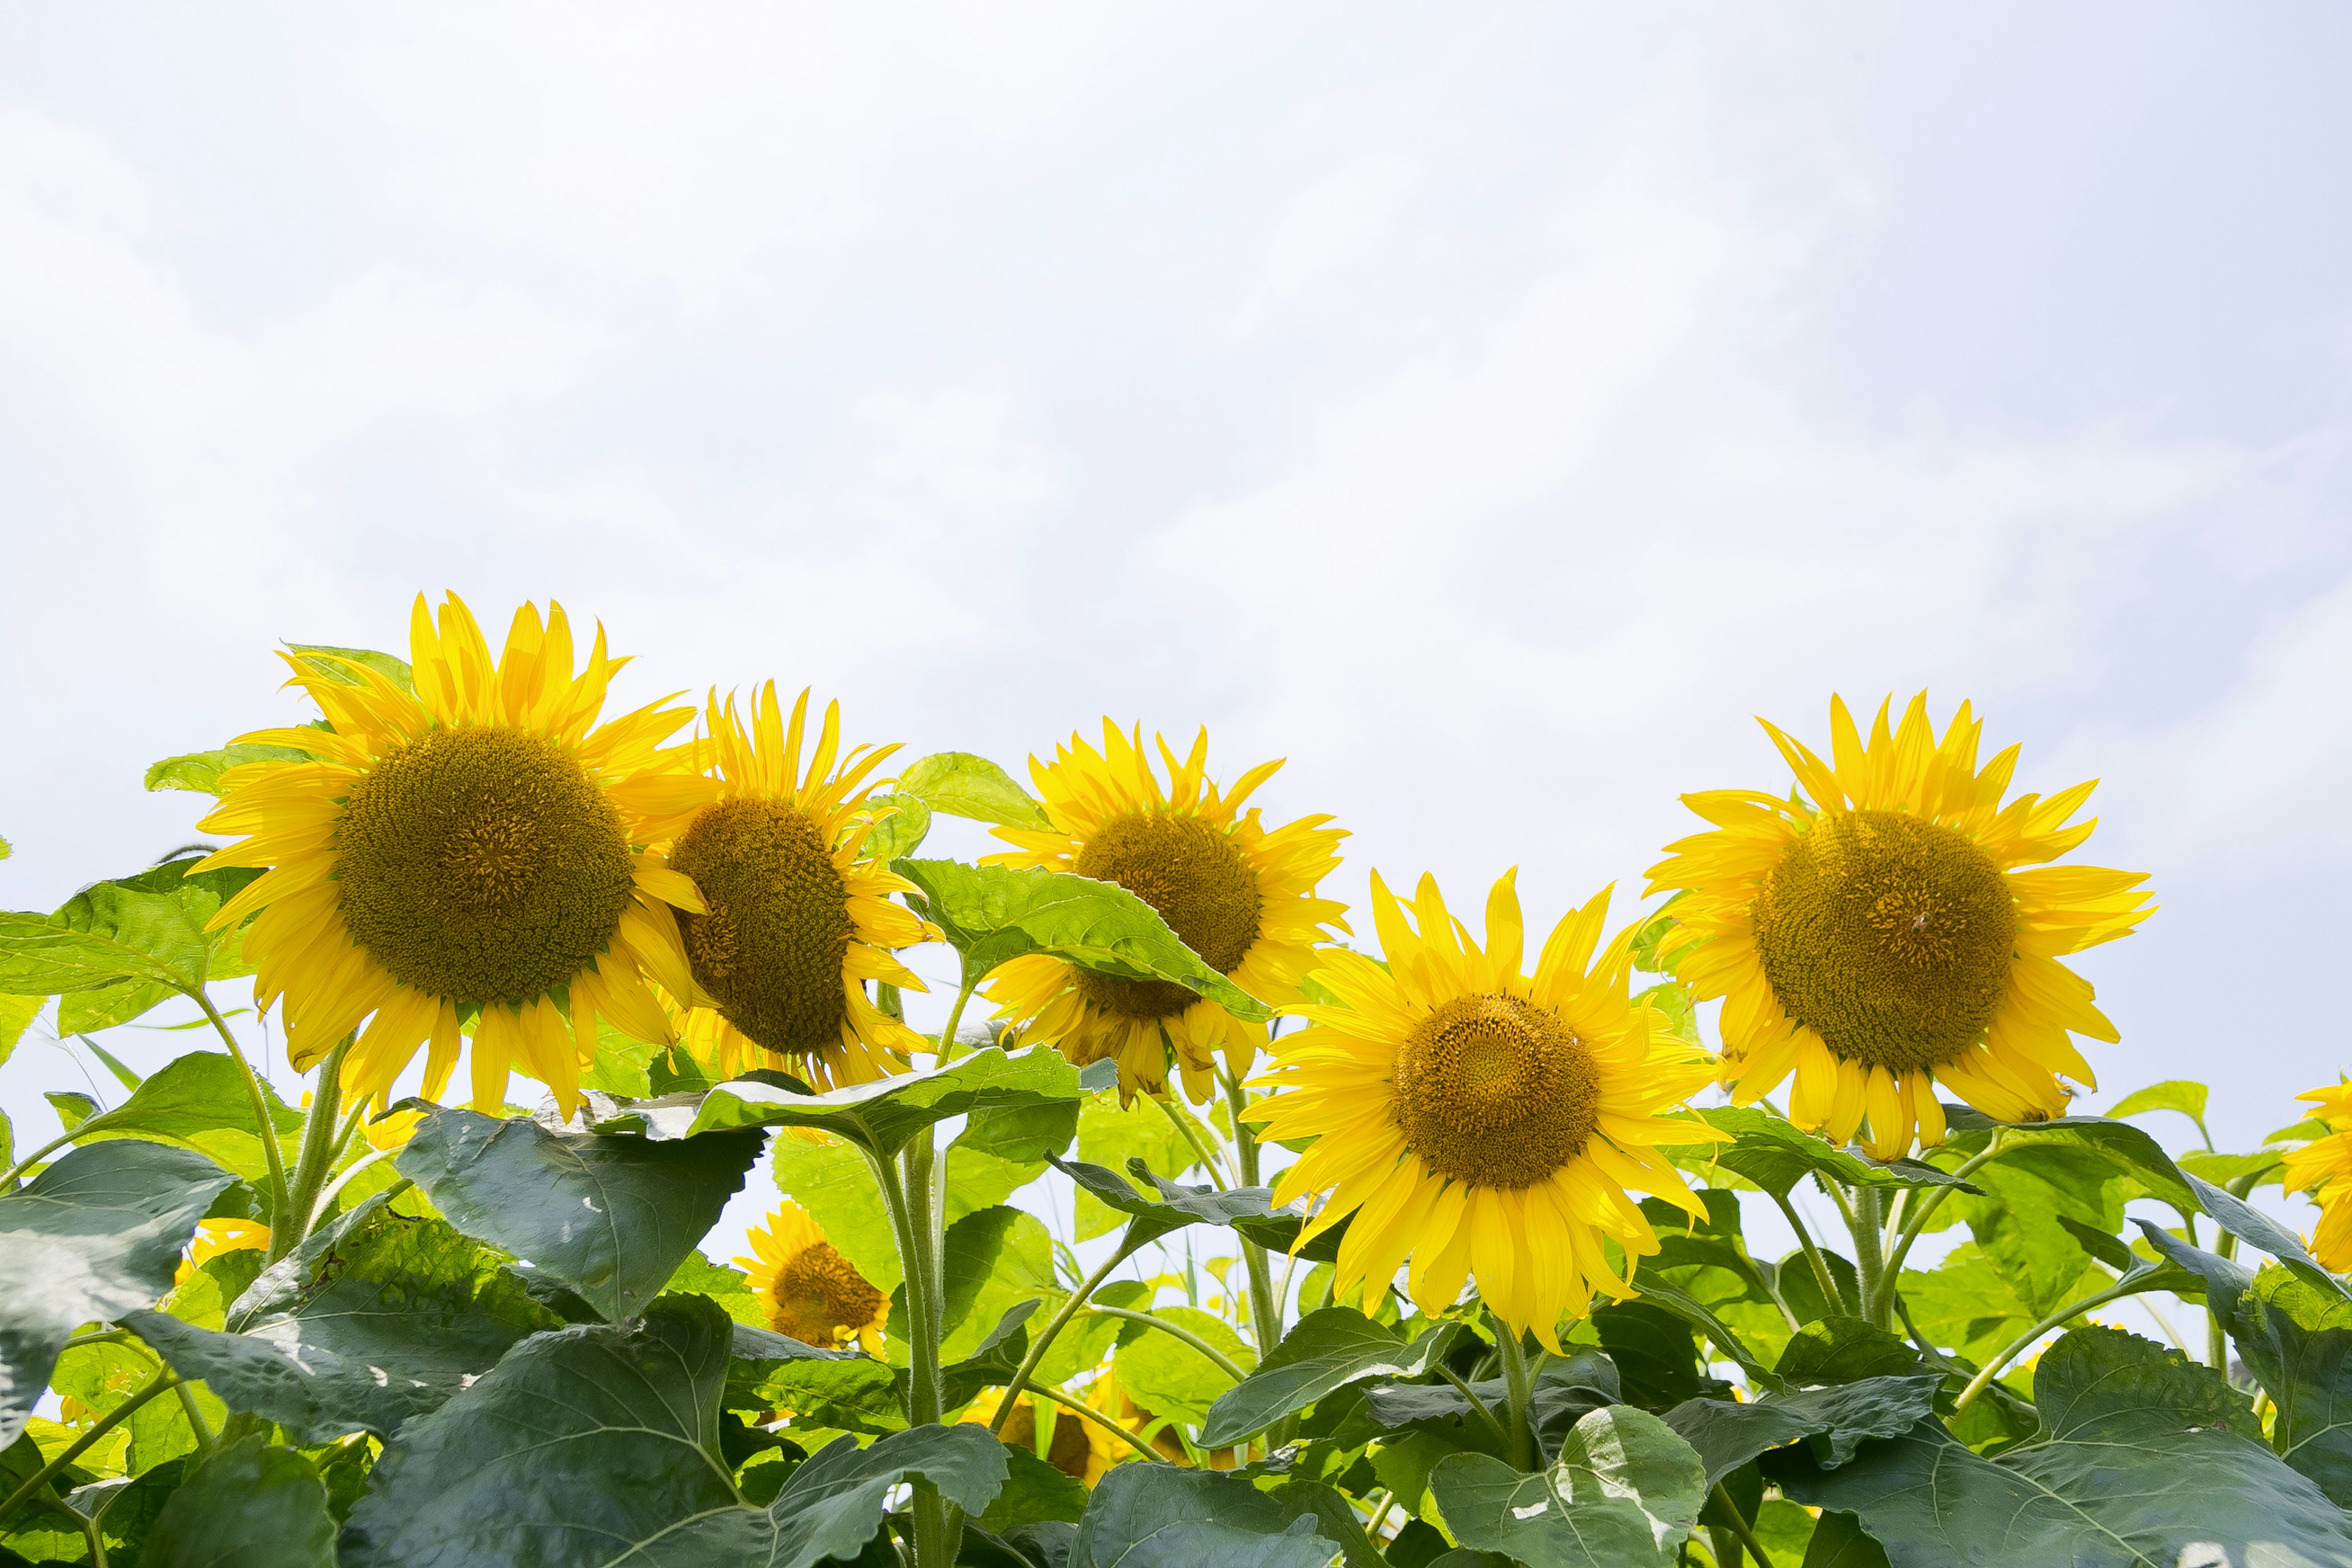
(482, 865)
(1889, 935)
(1070, 1449)
(1495, 1091)
(770, 949)
(1197, 879)
(819, 1297)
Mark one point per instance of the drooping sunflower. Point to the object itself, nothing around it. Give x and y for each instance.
(1077, 1447)
(2323, 1168)
(1240, 894)
(1479, 1121)
(793, 923)
(1891, 926)
(464, 855)
(811, 1292)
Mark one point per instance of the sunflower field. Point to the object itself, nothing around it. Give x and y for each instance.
(1218, 1223)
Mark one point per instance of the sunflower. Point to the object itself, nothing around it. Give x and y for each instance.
(1236, 892)
(793, 922)
(1479, 1121)
(811, 1292)
(2324, 1169)
(1891, 926)
(471, 850)
(217, 1236)
(1077, 1448)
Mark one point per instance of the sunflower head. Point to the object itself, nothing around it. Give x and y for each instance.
(809, 1290)
(1891, 926)
(793, 922)
(465, 853)
(1236, 892)
(1479, 1121)
(2323, 1168)
(1076, 1447)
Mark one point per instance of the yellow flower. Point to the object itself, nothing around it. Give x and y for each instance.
(1236, 892)
(812, 1293)
(1893, 927)
(215, 1236)
(1079, 1449)
(2323, 1168)
(1477, 1121)
(795, 922)
(475, 845)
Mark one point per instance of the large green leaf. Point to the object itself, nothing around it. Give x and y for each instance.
(2178, 1094)
(599, 1445)
(1623, 1493)
(2143, 1457)
(842, 1391)
(1726, 1434)
(999, 1151)
(334, 664)
(1323, 1351)
(611, 1216)
(1776, 1156)
(2255, 1228)
(375, 1320)
(1175, 1208)
(1169, 1377)
(884, 1115)
(117, 948)
(1567, 1389)
(248, 1506)
(200, 1100)
(900, 833)
(962, 785)
(95, 1236)
(2017, 1223)
(200, 772)
(993, 914)
(1158, 1516)
(2149, 1171)
(2296, 1339)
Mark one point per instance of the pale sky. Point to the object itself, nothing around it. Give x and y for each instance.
(1489, 408)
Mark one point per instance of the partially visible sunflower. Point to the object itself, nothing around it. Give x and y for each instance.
(469, 851)
(793, 923)
(1476, 1120)
(2323, 1168)
(1891, 926)
(217, 1236)
(1078, 1447)
(1240, 894)
(811, 1292)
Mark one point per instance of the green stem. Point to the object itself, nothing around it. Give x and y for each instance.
(955, 1022)
(343, 1179)
(1053, 1327)
(160, 1383)
(2024, 1342)
(195, 1414)
(1922, 1210)
(261, 1121)
(936, 1526)
(1056, 1397)
(1184, 1124)
(1869, 1262)
(1518, 1392)
(290, 1221)
(1831, 1298)
(1266, 1305)
(1224, 1363)
(1739, 1527)
(8, 1182)
(1477, 1405)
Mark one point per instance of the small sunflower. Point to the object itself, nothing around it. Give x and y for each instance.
(217, 1236)
(811, 1292)
(471, 850)
(1479, 1121)
(793, 923)
(1891, 926)
(2323, 1168)
(1078, 1447)
(1238, 893)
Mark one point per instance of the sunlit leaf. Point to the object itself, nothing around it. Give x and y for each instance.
(962, 785)
(900, 833)
(335, 663)
(199, 772)
(884, 1115)
(1623, 1493)
(2178, 1094)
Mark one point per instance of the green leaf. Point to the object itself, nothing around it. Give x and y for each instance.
(1637, 1333)
(1169, 1377)
(883, 1115)
(1334, 1518)
(331, 663)
(1174, 1209)
(840, 1390)
(2178, 1094)
(117, 948)
(1109, 1135)
(103, 1376)
(599, 1445)
(962, 785)
(1624, 1494)
(1158, 1516)
(902, 832)
(612, 1218)
(2015, 1222)
(1840, 1542)
(834, 1183)
(2255, 1228)
(199, 772)
(1727, 1434)
(1002, 1151)
(1567, 1389)
(372, 1322)
(731, 1288)
(95, 1236)
(1844, 1350)
(2296, 1339)
(200, 1100)
(2148, 1170)
(16, 1016)
(1776, 1156)
(248, 1506)
(993, 914)
(2143, 1457)
(1035, 1490)
(1323, 1351)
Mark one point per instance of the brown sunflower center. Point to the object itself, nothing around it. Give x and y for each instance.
(819, 1297)
(1201, 884)
(481, 864)
(1495, 1091)
(1069, 1450)
(770, 949)
(1890, 936)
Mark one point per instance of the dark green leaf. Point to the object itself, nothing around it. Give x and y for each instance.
(200, 772)
(883, 1115)
(248, 1506)
(1776, 1156)
(1175, 1207)
(1844, 1350)
(1624, 1494)
(612, 1218)
(1158, 1516)
(2108, 1249)
(96, 1234)
(2225, 1279)
(902, 832)
(1840, 1542)
(1726, 1434)
(993, 1360)
(2255, 1228)
(1036, 1490)
(962, 785)
(993, 914)
(1324, 1351)
(1664, 1301)
(2296, 1339)
(1334, 1518)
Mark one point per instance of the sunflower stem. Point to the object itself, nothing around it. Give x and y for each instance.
(2024, 1342)
(1088, 1413)
(162, 1382)
(1477, 1405)
(1519, 1393)
(1738, 1529)
(1869, 1262)
(905, 1186)
(1921, 1210)
(1183, 1121)
(262, 1124)
(1053, 1330)
(1831, 1298)
(290, 1221)
(1217, 1358)
(1266, 1305)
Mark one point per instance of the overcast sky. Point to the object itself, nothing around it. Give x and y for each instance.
(1489, 408)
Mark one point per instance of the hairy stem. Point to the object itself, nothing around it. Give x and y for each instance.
(1477, 1405)
(1740, 1528)
(1869, 1262)
(1922, 1210)
(1518, 1393)
(290, 1221)
(261, 1121)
